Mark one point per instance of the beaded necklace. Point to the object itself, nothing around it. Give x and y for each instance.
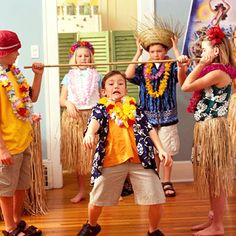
(22, 107)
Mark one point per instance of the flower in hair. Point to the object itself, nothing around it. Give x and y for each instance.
(80, 44)
(215, 35)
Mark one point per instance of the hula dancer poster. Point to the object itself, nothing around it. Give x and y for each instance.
(204, 14)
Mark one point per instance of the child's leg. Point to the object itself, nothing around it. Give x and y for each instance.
(167, 173)
(81, 183)
(94, 212)
(7, 212)
(18, 203)
(217, 227)
(155, 213)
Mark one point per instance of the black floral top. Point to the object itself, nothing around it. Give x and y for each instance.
(141, 132)
(213, 103)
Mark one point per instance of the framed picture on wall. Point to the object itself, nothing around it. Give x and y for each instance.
(204, 14)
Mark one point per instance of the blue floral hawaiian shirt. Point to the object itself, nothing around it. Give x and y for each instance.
(161, 111)
(141, 132)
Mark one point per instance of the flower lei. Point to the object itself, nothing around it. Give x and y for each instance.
(123, 116)
(82, 44)
(163, 82)
(215, 35)
(196, 96)
(82, 91)
(22, 107)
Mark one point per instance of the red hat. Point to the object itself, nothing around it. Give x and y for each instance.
(9, 42)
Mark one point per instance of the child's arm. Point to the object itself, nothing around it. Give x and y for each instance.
(130, 71)
(182, 63)
(215, 77)
(38, 69)
(5, 156)
(71, 109)
(162, 154)
(89, 138)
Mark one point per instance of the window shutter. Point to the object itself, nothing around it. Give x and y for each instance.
(100, 41)
(65, 41)
(123, 48)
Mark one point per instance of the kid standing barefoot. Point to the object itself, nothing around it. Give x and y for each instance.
(212, 151)
(79, 93)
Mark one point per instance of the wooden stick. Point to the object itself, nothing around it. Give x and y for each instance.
(111, 63)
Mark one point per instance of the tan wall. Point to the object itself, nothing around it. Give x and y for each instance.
(118, 14)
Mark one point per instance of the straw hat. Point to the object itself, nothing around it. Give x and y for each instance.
(160, 33)
(9, 42)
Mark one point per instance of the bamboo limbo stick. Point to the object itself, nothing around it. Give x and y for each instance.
(112, 63)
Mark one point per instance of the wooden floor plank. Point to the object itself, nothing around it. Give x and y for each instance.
(127, 219)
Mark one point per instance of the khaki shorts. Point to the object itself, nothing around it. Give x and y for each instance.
(16, 176)
(146, 185)
(169, 139)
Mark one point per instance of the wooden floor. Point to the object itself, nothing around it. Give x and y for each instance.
(127, 219)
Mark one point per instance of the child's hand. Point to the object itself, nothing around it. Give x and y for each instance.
(38, 68)
(139, 48)
(174, 41)
(166, 156)
(5, 157)
(183, 61)
(71, 109)
(89, 140)
(206, 60)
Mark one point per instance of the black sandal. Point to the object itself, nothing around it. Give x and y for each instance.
(168, 186)
(15, 232)
(30, 231)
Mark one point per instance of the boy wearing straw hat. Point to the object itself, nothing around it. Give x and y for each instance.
(157, 83)
(16, 97)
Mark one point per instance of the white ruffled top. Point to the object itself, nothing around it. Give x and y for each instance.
(83, 87)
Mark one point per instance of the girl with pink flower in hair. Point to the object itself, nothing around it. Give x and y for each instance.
(79, 93)
(212, 154)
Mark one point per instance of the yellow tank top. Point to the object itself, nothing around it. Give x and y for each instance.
(16, 133)
(121, 145)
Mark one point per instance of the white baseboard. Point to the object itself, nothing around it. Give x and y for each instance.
(182, 171)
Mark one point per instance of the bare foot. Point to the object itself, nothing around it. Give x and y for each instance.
(78, 198)
(201, 226)
(210, 231)
(121, 198)
(204, 225)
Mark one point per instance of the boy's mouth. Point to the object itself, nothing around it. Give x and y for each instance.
(116, 92)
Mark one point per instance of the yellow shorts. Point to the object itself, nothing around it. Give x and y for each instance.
(16, 176)
(145, 182)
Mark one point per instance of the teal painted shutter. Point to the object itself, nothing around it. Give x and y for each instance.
(100, 41)
(123, 48)
(65, 41)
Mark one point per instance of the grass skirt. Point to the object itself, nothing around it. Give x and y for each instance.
(74, 156)
(232, 121)
(213, 166)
